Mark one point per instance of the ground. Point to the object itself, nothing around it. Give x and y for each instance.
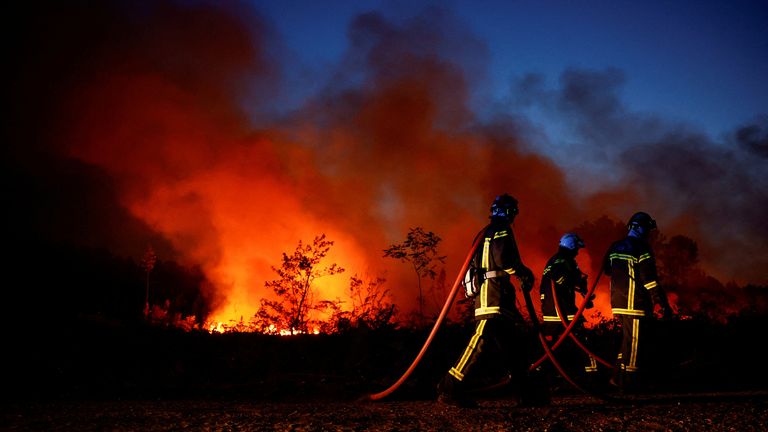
(743, 411)
(141, 378)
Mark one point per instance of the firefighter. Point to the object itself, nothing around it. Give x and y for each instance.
(635, 293)
(563, 274)
(501, 336)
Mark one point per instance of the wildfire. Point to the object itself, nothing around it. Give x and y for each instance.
(217, 327)
(286, 332)
(220, 327)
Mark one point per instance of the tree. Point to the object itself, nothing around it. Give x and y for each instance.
(419, 249)
(294, 287)
(677, 259)
(148, 263)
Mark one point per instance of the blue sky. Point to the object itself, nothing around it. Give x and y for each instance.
(703, 63)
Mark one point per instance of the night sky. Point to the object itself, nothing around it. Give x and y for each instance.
(221, 134)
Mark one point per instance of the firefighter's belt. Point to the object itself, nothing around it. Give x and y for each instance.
(495, 274)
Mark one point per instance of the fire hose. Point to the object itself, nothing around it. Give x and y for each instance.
(570, 334)
(548, 349)
(572, 324)
(440, 318)
(531, 310)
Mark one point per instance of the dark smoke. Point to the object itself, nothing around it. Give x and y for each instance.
(754, 137)
(713, 191)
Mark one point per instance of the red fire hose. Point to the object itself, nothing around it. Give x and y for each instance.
(572, 324)
(547, 350)
(570, 334)
(440, 318)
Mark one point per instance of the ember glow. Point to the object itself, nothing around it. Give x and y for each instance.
(179, 123)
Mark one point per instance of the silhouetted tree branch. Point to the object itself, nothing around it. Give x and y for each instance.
(420, 250)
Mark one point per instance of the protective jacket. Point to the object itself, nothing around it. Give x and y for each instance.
(632, 266)
(563, 273)
(499, 257)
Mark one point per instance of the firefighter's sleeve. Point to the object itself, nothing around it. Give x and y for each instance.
(559, 274)
(512, 264)
(647, 275)
(646, 271)
(581, 282)
(572, 276)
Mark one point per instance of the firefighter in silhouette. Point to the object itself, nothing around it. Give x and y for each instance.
(635, 297)
(563, 278)
(501, 338)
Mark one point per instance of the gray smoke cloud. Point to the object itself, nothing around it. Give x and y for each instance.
(712, 190)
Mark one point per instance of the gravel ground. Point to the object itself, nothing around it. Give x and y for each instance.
(682, 412)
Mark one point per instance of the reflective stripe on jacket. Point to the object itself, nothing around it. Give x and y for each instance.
(497, 252)
(632, 266)
(563, 273)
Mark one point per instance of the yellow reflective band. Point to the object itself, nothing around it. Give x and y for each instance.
(456, 374)
(631, 293)
(651, 285)
(560, 280)
(542, 296)
(550, 318)
(633, 312)
(487, 310)
(644, 257)
(485, 264)
(500, 234)
(624, 257)
(592, 365)
(632, 366)
(546, 270)
(510, 271)
(459, 368)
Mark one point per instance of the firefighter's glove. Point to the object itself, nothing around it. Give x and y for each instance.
(581, 285)
(526, 279)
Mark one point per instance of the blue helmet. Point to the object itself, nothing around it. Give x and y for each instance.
(504, 206)
(571, 241)
(640, 224)
(642, 219)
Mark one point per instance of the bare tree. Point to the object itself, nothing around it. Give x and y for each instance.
(294, 287)
(419, 249)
